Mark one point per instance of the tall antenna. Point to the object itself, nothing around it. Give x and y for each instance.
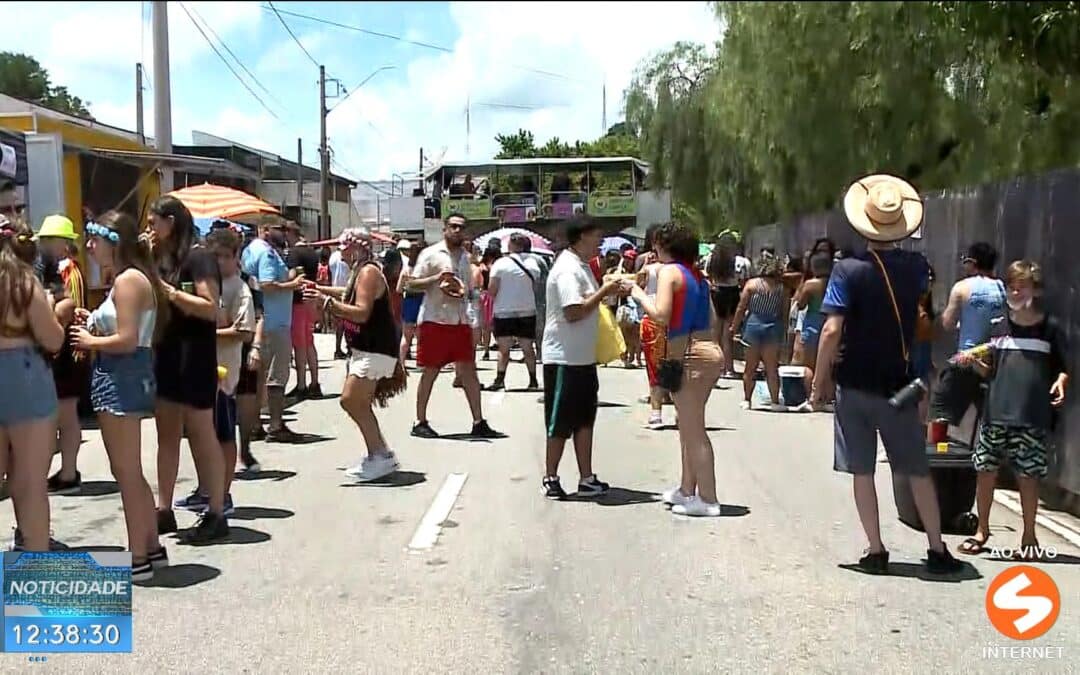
(468, 124)
(603, 108)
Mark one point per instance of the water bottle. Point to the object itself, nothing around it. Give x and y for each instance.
(909, 395)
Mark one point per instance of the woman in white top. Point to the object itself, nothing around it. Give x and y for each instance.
(121, 332)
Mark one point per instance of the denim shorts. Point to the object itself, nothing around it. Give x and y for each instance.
(123, 384)
(757, 332)
(27, 393)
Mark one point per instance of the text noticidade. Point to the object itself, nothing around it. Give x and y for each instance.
(67, 602)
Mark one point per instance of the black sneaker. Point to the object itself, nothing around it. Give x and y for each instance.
(141, 572)
(553, 489)
(497, 385)
(196, 502)
(54, 544)
(211, 527)
(340, 355)
(534, 385)
(314, 391)
(424, 430)
(592, 487)
(59, 486)
(875, 563)
(482, 430)
(259, 434)
(942, 562)
(166, 521)
(283, 435)
(159, 558)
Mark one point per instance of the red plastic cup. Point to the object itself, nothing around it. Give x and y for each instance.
(939, 431)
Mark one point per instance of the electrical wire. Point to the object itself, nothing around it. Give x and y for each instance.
(398, 38)
(293, 35)
(232, 70)
(235, 57)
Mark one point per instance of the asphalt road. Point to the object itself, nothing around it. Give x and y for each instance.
(318, 576)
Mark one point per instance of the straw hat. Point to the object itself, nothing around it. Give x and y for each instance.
(57, 226)
(883, 208)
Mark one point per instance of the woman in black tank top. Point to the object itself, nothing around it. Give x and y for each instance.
(375, 372)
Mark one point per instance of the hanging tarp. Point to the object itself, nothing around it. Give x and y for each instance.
(13, 157)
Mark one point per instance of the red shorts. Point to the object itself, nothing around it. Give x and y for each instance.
(303, 325)
(654, 344)
(440, 344)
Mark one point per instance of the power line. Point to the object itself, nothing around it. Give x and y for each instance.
(227, 64)
(235, 57)
(293, 35)
(398, 38)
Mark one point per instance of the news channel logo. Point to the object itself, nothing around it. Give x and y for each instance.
(67, 601)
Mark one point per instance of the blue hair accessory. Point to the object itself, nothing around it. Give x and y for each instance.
(95, 230)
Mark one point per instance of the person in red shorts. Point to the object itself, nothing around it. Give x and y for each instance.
(444, 333)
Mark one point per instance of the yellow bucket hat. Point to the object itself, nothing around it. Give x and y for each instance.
(57, 226)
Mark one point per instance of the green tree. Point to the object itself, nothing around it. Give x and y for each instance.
(23, 77)
(520, 145)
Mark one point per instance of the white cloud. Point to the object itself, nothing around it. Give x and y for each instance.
(493, 61)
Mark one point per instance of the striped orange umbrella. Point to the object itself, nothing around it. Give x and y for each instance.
(218, 201)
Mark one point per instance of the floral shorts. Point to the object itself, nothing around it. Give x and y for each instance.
(1025, 447)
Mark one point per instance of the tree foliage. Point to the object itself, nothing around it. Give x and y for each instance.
(800, 98)
(617, 142)
(23, 77)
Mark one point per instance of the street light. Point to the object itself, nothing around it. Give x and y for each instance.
(349, 92)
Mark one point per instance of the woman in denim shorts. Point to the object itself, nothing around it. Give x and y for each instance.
(122, 387)
(763, 305)
(28, 403)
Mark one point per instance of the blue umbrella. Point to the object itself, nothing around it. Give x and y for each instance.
(613, 244)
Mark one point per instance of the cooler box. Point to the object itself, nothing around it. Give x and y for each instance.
(953, 474)
(792, 385)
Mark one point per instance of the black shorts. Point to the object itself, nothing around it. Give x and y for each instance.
(570, 399)
(520, 327)
(725, 300)
(225, 418)
(186, 373)
(248, 385)
(957, 390)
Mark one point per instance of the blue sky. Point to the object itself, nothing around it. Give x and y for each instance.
(494, 51)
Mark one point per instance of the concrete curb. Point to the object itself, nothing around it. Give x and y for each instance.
(1064, 530)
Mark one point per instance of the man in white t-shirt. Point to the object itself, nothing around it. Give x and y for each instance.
(571, 385)
(513, 287)
(445, 336)
(340, 266)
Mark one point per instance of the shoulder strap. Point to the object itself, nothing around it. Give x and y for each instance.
(523, 268)
(892, 297)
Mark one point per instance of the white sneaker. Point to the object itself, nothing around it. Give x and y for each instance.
(745, 405)
(358, 470)
(644, 399)
(674, 496)
(694, 506)
(656, 422)
(804, 407)
(379, 466)
(777, 407)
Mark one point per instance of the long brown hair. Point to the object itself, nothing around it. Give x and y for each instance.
(17, 280)
(170, 255)
(133, 251)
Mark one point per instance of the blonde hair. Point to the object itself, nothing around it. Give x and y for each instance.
(1024, 270)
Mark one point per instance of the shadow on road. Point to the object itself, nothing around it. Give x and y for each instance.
(913, 571)
(272, 474)
(237, 535)
(95, 488)
(304, 439)
(609, 404)
(97, 549)
(260, 512)
(396, 479)
(617, 496)
(181, 576)
(467, 438)
(672, 427)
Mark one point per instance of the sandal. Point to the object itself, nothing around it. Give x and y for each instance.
(973, 546)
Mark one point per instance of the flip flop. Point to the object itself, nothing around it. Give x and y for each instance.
(973, 546)
(1027, 553)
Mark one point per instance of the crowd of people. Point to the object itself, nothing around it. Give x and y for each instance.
(199, 332)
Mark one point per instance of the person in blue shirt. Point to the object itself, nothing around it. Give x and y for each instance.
(871, 303)
(262, 262)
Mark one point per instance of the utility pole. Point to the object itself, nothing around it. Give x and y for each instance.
(603, 109)
(324, 160)
(300, 181)
(420, 172)
(139, 126)
(468, 124)
(162, 91)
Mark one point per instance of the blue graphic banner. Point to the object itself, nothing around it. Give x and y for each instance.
(67, 602)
